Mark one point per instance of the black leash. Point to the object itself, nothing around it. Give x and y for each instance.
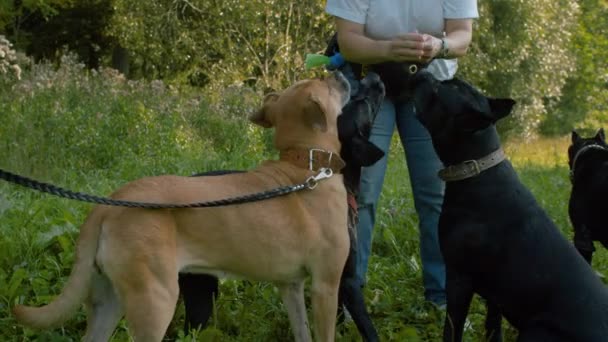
(310, 183)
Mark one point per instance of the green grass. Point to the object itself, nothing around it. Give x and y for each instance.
(92, 132)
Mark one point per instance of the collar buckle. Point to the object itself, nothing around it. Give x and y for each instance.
(311, 157)
(473, 166)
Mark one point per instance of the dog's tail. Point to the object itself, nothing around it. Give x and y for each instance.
(77, 287)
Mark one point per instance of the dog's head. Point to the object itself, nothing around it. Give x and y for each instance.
(355, 123)
(458, 117)
(578, 143)
(306, 113)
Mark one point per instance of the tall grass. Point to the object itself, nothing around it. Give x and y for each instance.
(93, 131)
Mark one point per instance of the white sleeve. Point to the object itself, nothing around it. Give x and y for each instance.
(460, 9)
(351, 10)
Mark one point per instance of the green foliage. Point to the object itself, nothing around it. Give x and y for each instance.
(548, 55)
(259, 42)
(585, 100)
(521, 50)
(44, 29)
(16, 14)
(62, 109)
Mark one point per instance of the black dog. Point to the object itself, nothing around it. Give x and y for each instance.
(354, 126)
(495, 238)
(588, 161)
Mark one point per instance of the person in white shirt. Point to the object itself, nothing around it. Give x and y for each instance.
(436, 32)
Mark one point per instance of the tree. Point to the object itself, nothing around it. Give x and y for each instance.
(521, 49)
(585, 100)
(260, 42)
(42, 28)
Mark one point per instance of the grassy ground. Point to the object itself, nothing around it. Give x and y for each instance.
(93, 132)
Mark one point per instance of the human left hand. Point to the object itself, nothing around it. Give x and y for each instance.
(431, 48)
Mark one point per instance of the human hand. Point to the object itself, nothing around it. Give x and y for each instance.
(413, 47)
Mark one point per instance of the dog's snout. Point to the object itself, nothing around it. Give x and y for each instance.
(339, 76)
(342, 83)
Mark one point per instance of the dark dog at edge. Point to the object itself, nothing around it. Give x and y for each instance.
(588, 162)
(354, 126)
(496, 239)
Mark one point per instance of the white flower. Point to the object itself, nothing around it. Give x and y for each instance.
(17, 71)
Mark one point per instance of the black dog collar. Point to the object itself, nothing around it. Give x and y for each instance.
(471, 168)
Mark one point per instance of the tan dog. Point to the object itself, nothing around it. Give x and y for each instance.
(128, 259)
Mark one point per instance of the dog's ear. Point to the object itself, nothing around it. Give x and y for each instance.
(600, 135)
(314, 113)
(575, 137)
(500, 107)
(364, 152)
(262, 116)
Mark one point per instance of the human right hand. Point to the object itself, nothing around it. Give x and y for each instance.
(413, 47)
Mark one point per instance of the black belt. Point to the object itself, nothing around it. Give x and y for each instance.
(397, 77)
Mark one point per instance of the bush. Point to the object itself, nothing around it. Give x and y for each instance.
(57, 120)
(9, 60)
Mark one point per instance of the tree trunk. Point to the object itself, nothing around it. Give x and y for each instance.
(120, 60)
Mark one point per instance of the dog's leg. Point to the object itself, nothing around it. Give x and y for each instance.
(355, 304)
(293, 298)
(324, 295)
(103, 310)
(351, 293)
(493, 323)
(459, 291)
(149, 303)
(145, 280)
(583, 242)
(199, 292)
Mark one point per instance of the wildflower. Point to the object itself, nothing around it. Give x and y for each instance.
(17, 71)
(8, 58)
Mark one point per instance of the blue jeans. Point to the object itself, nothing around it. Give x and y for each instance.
(427, 188)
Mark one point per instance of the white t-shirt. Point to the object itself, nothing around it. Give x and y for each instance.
(384, 19)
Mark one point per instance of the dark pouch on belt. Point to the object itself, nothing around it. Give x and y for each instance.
(397, 77)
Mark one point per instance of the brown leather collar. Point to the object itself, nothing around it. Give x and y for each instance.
(313, 159)
(471, 168)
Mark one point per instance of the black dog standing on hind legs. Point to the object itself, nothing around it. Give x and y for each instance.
(588, 162)
(495, 238)
(354, 125)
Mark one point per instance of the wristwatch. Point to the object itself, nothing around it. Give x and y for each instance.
(444, 51)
